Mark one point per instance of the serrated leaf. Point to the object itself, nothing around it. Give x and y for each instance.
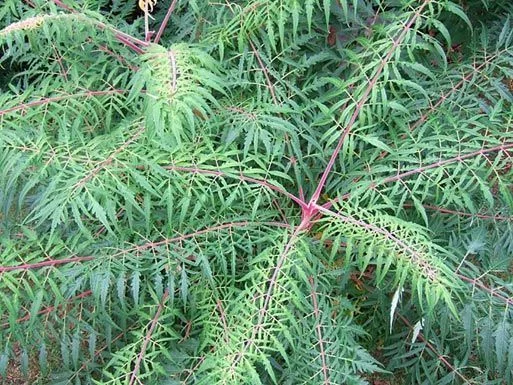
(456, 10)
(135, 286)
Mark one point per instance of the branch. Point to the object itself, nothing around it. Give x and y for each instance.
(101, 165)
(146, 22)
(126, 39)
(48, 100)
(463, 214)
(49, 309)
(261, 182)
(118, 57)
(363, 100)
(482, 286)
(51, 262)
(153, 245)
(272, 284)
(165, 21)
(97, 353)
(459, 158)
(147, 338)
(317, 315)
(222, 314)
(416, 258)
(192, 371)
(440, 163)
(266, 73)
(440, 357)
(433, 108)
(445, 95)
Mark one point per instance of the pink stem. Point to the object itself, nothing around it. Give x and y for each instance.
(362, 101)
(318, 330)
(261, 182)
(152, 245)
(416, 258)
(444, 96)
(101, 165)
(222, 314)
(266, 73)
(37, 265)
(442, 359)
(128, 40)
(49, 100)
(459, 158)
(269, 295)
(49, 309)
(165, 21)
(482, 286)
(464, 214)
(147, 338)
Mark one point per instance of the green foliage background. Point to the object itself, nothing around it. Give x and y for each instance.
(260, 192)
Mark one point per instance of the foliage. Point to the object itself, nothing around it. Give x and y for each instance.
(257, 192)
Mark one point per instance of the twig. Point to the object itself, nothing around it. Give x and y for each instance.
(265, 71)
(269, 294)
(147, 338)
(453, 89)
(35, 103)
(464, 214)
(96, 354)
(146, 22)
(433, 349)
(101, 165)
(317, 193)
(459, 158)
(317, 315)
(416, 255)
(261, 182)
(222, 314)
(126, 39)
(51, 262)
(165, 21)
(152, 245)
(482, 286)
(49, 309)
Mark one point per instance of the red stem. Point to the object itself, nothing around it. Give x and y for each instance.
(482, 286)
(444, 96)
(459, 158)
(222, 314)
(266, 73)
(129, 44)
(53, 99)
(101, 165)
(362, 101)
(49, 309)
(152, 245)
(464, 214)
(97, 353)
(272, 284)
(165, 21)
(147, 338)
(63, 6)
(126, 39)
(416, 257)
(433, 108)
(433, 349)
(318, 330)
(37, 265)
(261, 182)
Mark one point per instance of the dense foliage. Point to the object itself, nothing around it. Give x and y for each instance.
(256, 192)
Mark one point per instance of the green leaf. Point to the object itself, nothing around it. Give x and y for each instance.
(456, 10)
(135, 286)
